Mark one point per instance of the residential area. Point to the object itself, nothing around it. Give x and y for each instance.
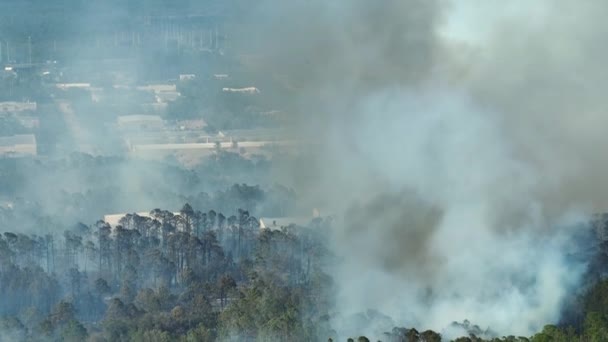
(151, 120)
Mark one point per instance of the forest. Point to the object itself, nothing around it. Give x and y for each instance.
(194, 276)
(205, 276)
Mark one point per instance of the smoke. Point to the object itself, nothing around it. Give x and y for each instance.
(459, 142)
(455, 231)
(462, 151)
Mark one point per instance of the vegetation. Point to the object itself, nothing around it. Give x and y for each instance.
(199, 276)
(209, 272)
(193, 276)
(204, 98)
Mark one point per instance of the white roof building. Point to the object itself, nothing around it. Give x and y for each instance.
(187, 77)
(18, 145)
(65, 86)
(278, 222)
(14, 107)
(158, 88)
(246, 90)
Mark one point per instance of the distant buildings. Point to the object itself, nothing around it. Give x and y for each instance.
(187, 77)
(140, 122)
(279, 222)
(163, 92)
(191, 143)
(18, 145)
(15, 107)
(65, 86)
(246, 90)
(158, 88)
(191, 125)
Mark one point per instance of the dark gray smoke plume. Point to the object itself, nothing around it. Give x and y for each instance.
(464, 137)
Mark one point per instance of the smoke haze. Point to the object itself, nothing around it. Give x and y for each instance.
(458, 144)
(464, 138)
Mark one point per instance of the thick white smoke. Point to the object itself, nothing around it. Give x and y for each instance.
(459, 139)
(448, 227)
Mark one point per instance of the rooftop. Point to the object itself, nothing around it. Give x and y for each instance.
(246, 90)
(21, 139)
(278, 222)
(73, 85)
(13, 106)
(136, 118)
(157, 88)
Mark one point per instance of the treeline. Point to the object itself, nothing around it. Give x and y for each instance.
(206, 276)
(193, 276)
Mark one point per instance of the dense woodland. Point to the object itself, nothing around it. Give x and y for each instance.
(196, 276)
(205, 276)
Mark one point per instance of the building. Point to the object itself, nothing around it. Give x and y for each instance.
(257, 134)
(191, 125)
(15, 107)
(279, 222)
(167, 96)
(209, 146)
(158, 88)
(18, 145)
(65, 86)
(163, 93)
(246, 90)
(140, 122)
(187, 77)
